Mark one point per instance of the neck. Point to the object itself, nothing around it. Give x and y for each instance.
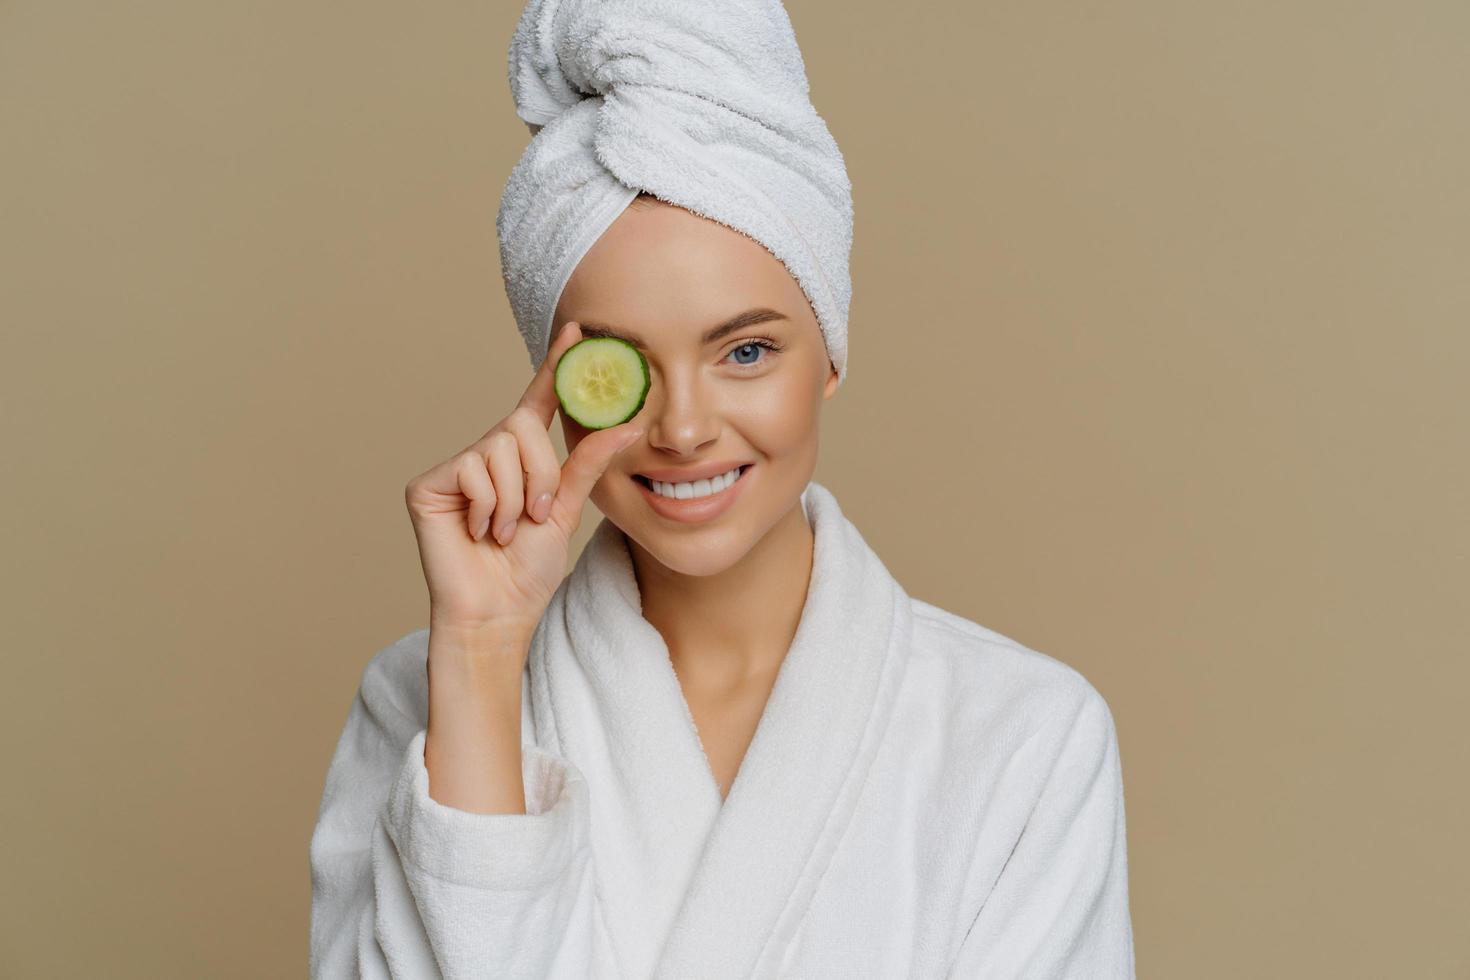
(734, 627)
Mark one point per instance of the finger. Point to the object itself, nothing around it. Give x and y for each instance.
(474, 482)
(540, 395)
(503, 456)
(538, 461)
(585, 466)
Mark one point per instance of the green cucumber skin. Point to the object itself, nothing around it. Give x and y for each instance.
(642, 396)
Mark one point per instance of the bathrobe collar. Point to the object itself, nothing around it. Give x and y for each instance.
(689, 887)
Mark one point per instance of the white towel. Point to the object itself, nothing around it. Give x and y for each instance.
(702, 103)
(923, 797)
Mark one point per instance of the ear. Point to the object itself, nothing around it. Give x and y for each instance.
(831, 386)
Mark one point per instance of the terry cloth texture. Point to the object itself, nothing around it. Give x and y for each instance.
(923, 797)
(704, 104)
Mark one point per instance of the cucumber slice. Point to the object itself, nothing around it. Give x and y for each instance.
(601, 382)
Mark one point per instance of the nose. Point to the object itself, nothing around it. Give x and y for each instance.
(683, 418)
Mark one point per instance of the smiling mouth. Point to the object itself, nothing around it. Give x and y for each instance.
(647, 483)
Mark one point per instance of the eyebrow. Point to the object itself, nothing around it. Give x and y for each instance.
(737, 322)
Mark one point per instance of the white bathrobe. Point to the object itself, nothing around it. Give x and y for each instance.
(923, 797)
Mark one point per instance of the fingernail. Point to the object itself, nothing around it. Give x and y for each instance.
(541, 506)
(480, 531)
(506, 532)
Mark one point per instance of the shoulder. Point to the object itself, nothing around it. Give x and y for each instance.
(995, 679)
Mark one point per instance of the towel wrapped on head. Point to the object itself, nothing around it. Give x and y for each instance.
(702, 103)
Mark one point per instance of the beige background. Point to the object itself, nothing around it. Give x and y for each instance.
(1158, 333)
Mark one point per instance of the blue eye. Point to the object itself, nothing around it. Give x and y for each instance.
(751, 348)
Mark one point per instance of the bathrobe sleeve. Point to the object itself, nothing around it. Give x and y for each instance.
(406, 887)
(1059, 909)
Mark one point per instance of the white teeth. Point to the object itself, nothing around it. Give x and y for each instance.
(699, 488)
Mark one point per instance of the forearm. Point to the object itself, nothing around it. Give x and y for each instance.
(472, 748)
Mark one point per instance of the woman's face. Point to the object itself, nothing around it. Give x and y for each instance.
(663, 277)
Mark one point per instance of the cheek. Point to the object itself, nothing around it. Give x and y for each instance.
(611, 490)
(778, 418)
(571, 432)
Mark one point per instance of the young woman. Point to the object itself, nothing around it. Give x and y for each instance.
(728, 744)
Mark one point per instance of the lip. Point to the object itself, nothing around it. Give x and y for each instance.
(695, 510)
(689, 474)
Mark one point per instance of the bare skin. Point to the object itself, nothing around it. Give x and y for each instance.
(493, 524)
(494, 521)
(726, 595)
(726, 724)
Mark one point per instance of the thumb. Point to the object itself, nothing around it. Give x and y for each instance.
(586, 464)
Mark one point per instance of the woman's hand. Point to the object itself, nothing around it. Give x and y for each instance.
(486, 567)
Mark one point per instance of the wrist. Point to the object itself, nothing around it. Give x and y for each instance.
(497, 643)
(483, 634)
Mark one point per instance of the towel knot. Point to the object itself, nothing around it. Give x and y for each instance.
(702, 103)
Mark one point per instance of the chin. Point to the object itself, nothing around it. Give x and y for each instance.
(687, 551)
(696, 556)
